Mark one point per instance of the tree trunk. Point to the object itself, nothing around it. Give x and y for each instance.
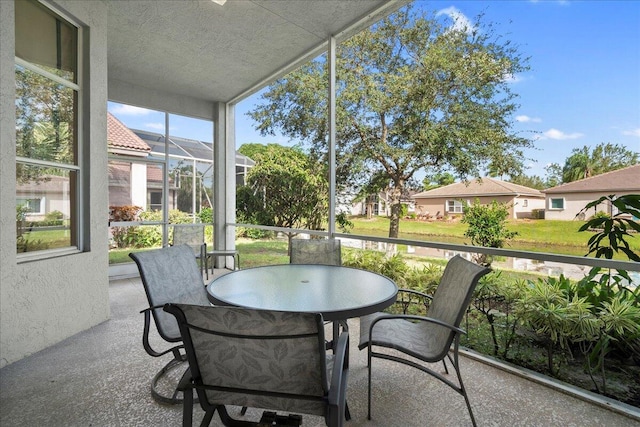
(396, 208)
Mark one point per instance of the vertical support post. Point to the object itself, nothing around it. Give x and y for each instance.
(331, 58)
(165, 184)
(224, 185)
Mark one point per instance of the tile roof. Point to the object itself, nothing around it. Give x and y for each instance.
(120, 136)
(625, 179)
(477, 188)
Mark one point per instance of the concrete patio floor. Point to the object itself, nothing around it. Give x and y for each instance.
(101, 377)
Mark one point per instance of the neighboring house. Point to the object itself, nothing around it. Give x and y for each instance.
(193, 150)
(45, 194)
(131, 183)
(380, 204)
(450, 199)
(567, 200)
(140, 184)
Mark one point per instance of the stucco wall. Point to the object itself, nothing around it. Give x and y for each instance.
(521, 211)
(45, 301)
(574, 202)
(438, 206)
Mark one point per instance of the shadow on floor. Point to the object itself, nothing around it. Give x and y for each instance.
(101, 377)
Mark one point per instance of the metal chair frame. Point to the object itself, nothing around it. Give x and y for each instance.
(334, 396)
(447, 346)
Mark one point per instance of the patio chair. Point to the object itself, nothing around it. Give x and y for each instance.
(192, 235)
(263, 359)
(316, 251)
(427, 339)
(169, 274)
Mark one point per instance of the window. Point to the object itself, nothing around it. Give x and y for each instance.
(525, 203)
(31, 206)
(556, 203)
(47, 127)
(155, 202)
(455, 206)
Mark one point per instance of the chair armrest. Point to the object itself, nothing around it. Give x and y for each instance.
(414, 318)
(145, 336)
(338, 384)
(414, 292)
(222, 252)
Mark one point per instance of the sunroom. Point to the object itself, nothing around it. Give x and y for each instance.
(196, 59)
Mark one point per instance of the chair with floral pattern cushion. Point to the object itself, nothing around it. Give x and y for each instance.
(169, 274)
(316, 251)
(427, 339)
(262, 359)
(192, 235)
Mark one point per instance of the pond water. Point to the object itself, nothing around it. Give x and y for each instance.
(544, 268)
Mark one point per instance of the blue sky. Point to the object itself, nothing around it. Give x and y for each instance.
(583, 87)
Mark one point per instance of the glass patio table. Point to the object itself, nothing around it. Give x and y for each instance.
(338, 293)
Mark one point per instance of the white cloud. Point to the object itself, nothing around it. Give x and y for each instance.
(510, 78)
(460, 21)
(632, 132)
(129, 110)
(154, 126)
(527, 119)
(559, 135)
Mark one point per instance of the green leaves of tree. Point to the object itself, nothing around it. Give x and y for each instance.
(412, 94)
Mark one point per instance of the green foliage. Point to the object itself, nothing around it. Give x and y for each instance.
(54, 215)
(600, 215)
(614, 229)
(206, 216)
(343, 222)
(546, 309)
(122, 236)
(437, 180)
(23, 244)
(533, 181)
(424, 279)
(396, 112)
(487, 226)
(393, 267)
(495, 298)
(605, 157)
(287, 189)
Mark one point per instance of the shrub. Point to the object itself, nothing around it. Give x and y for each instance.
(54, 216)
(123, 236)
(487, 227)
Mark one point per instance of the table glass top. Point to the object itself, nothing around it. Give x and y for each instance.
(336, 292)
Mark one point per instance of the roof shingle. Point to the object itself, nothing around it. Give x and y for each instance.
(120, 136)
(477, 188)
(625, 179)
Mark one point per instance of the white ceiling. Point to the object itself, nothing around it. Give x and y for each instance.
(200, 49)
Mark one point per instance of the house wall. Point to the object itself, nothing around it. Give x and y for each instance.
(521, 211)
(47, 300)
(139, 185)
(437, 207)
(575, 202)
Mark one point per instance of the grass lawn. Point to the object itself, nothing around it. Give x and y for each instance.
(536, 235)
(560, 237)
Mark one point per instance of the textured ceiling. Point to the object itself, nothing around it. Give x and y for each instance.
(217, 53)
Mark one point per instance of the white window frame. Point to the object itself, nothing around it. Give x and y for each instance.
(77, 212)
(457, 203)
(41, 203)
(551, 208)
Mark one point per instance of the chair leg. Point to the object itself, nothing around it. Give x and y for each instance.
(369, 382)
(208, 416)
(187, 409)
(462, 390)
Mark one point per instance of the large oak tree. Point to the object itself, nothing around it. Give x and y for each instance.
(414, 93)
